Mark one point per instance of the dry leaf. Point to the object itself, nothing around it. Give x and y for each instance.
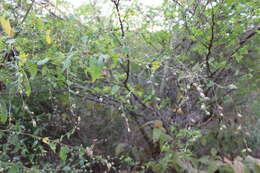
(178, 111)
(157, 124)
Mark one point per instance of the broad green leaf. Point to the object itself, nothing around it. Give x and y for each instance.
(96, 67)
(156, 134)
(53, 146)
(33, 71)
(63, 153)
(26, 84)
(3, 117)
(13, 169)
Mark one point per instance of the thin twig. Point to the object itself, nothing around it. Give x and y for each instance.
(127, 69)
(24, 18)
(240, 44)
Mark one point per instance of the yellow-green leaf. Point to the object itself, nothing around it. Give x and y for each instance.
(155, 65)
(45, 140)
(26, 84)
(48, 37)
(63, 153)
(23, 59)
(6, 26)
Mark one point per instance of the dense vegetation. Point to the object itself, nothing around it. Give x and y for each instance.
(115, 86)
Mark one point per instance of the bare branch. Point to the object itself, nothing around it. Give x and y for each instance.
(210, 45)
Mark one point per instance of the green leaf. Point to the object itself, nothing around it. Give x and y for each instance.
(114, 90)
(96, 67)
(156, 134)
(63, 153)
(232, 86)
(213, 166)
(126, 50)
(121, 148)
(1, 134)
(26, 84)
(3, 113)
(33, 71)
(42, 62)
(204, 160)
(213, 152)
(53, 146)
(66, 63)
(13, 169)
(3, 117)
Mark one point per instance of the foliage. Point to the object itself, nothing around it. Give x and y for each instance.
(173, 88)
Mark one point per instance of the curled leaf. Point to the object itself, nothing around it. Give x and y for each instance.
(45, 140)
(157, 124)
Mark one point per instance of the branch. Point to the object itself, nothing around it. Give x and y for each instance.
(249, 34)
(210, 45)
(24, 18)
(119, 17)
(127, 70)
